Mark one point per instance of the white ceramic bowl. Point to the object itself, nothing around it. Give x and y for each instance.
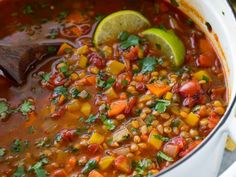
(205, 160)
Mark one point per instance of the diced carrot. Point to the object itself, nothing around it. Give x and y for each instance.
(213, 121)
(62, 49)
(32, 118)
(144, 137)
(117, 107)
(94, 173)
(132, 54)
(122, 163)
(158, 90)
(123, 96)
(206, 59)
(91, 79)
(205, 46)
(71, 164)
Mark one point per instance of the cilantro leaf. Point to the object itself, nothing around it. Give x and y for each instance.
(2, 152)
(99, 17)
(107, 122)
(28, 9)
(75, 93)
(45, 77)
(91, 119)
(62, 15)
(4, 110)
(37, 168)
(61, 90)
(52, 49)
(26, 107)
(148, 64)
(162, 138)
(174, 2)
(142, 166)
(20, 171)
(123, 36)
(110, 82)
(132, 40)
(162, 105)
(162, 156)
(16, 146)
(149, 120)
(89, 166)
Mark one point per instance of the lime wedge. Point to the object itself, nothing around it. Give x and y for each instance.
(111, 26)
(168, 42)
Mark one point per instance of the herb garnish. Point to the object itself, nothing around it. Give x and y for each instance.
(162, 105)
(162, 156)
(89, 166)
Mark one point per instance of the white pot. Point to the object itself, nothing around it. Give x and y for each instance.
(205, 161)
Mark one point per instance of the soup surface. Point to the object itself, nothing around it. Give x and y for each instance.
(120, 110)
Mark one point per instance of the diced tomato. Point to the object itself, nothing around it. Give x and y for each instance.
(217, 92)
(93, 149)
(97, 60)
(117, 107)
(122, 163)
(171, 149)
(130, 105)
(206, 59)
(190, 148)
(213, 120)
(132, 54)
(180, 141)
(190, 88)
(67, 135)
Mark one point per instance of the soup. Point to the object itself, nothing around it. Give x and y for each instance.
(122, 109)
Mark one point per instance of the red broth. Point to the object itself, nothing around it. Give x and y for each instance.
(73, 119)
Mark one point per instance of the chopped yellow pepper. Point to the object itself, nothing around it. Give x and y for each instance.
(105, 162)
(154, 141)
(73, 105)
(96, 138)
(82, 63)
(192, 119)
(111, 94)
(86, 109)
(202, 75)
(115, 67)
(168, 96)
(82, 50)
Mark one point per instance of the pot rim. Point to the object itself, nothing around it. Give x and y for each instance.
(220, 124)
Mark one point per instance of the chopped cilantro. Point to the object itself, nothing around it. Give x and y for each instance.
(26, 107)
(31, 129)
(75, 93)
(162, 105)
(105, 83)
(52, 49)
(99, 17)
(175, 123)
(162, 138)
(4, 110)
(2, 152)
(132, 40)
(124, 83)
(149, 120)
(16, 146)
(175, 3)
(65, 69)
(58, 137)
(110, 140)
(61, 90)
(37, 168)
(91, 119)
(110, 82)
(205, 78)
(196, 108)
(142, 166)
(89, 166)
(20, 171)
(45, 142)
(81, 130)
(107, 122)
(162, 156)
(53, 33)
(28, 10)
(123, 36)
(62, 15)
(45, 77)
(149, 64)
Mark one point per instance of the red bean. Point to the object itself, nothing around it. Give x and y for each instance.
(190, 88)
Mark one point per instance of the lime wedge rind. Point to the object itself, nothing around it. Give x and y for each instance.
(170, 44)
